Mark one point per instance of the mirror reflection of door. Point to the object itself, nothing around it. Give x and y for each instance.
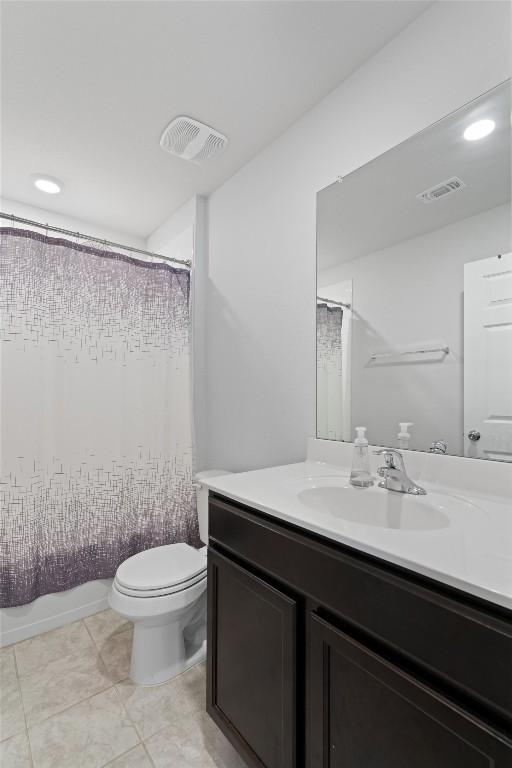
(488, 358)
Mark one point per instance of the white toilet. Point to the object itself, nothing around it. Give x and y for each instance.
(163, 591)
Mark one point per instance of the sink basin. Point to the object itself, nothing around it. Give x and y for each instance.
(377, 507)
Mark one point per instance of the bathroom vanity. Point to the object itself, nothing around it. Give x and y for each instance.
(372, 627)
(348, 646)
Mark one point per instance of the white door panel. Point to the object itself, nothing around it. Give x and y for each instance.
(488, 357)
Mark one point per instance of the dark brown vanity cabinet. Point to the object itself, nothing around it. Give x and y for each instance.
(251, 675)
(368, 713)
(322, 657)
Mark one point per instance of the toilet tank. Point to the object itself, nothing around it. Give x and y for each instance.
(202, 499)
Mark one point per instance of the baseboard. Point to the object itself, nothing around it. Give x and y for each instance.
(52, 611)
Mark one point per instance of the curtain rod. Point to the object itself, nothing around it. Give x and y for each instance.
(331, 301)
(49, 228)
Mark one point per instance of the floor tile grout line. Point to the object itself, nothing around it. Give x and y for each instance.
(137, 729)
(31, 756)
(25, 730)
(42, 634)
(148, 755)
(163, 728)
(76, 703)
(99, 647)
(90, 635)
(122, 754)
(112, 634)
(116, 632)
(144, 739)
(109, 637)
(15, 736)
(146, 751)
(112, 687)
(12, 736)
(125, 708)
(104, 670)
(74, 653)
(18, 682)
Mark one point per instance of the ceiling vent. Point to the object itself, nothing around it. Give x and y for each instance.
(191, 140)
(440, 190)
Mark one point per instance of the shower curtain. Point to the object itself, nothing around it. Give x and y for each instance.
(95, 412)
(329, 416)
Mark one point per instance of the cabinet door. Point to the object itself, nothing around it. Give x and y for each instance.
(251, 664)
(364, 712)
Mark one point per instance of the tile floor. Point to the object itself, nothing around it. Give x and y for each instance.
(66, 701)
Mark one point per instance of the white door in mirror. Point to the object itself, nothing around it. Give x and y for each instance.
(488, 358)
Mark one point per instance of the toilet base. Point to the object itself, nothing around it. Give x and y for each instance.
(165, 646)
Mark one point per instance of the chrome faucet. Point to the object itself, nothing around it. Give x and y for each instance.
(438, 446)
(394, 476)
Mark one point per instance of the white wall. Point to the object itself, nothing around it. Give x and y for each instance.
(175, 236)
(410, 295)
(184, 236)
(261, 295)
(58, 220)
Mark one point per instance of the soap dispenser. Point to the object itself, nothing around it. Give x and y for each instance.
(360, 476)
(403, 435)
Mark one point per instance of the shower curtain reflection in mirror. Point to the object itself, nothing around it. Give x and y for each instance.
(333, 328)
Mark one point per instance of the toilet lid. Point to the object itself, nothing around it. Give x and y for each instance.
(161, 567)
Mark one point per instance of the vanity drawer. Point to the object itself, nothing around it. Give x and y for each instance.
(458, 644)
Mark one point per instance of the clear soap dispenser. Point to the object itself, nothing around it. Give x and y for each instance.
(360, 475)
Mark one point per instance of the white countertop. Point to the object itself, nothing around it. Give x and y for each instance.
(473, 552)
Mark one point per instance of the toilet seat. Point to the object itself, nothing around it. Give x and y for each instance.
(161, 571)
(171, 590)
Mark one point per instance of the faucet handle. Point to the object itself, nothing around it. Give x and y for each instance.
(395, 461)
(390, 455)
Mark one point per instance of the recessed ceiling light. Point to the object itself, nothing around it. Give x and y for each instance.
(48, 185)
(479, 130)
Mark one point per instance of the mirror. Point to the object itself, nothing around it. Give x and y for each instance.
(414, 290)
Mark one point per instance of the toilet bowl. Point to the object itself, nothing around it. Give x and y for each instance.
(163, 591)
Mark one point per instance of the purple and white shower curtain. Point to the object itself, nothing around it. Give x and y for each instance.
(95, 414)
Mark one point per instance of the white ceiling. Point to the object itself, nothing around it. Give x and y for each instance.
(376, 205)
(89, 86)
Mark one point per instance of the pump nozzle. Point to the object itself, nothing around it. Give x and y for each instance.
(404, 435)
(361, 439)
